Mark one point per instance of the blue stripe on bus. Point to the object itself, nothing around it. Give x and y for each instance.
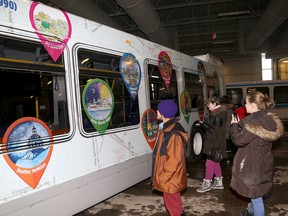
(281, 105)
(256, 84)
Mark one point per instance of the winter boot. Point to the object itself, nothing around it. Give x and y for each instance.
(206, 186)
(218, 183)
(250, 208)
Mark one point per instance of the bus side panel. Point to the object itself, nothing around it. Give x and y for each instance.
(63, 199)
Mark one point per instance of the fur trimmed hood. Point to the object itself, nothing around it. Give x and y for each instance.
(268, 135)
(252, 171)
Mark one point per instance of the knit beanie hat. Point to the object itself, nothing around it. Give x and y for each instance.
(168, 108)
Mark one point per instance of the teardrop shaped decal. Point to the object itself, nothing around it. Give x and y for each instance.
(165, 67)
(98, 103)
(35, 137)
(150, 127)
(52, 26)
(186, 105)
(131, 73)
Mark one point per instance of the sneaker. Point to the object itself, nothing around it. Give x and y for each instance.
(218, 183)
(250, 208)
(244, 212)
(206, 186)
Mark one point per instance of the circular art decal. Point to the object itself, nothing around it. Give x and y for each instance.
(186, 105)
(98, 103)
(131, 73)
(28, 164)
(150, 127)
(52, 26)
(200, 99)
(165, 67)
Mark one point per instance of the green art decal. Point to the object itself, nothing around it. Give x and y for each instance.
(186, 105)
(98, 103)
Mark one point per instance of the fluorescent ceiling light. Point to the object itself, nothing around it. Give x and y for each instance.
(223, 50)
(234, 13)
(223, 42)
(85, 60)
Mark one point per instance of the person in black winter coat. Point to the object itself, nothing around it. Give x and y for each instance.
(252, 171)
(215, 127)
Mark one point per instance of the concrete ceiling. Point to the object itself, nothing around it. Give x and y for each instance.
(225, 28)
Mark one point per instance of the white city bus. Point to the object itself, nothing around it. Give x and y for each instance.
(277, 90)
(77, 107)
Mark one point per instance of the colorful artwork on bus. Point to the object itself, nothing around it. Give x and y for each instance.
(165, 67)
(200, 99)
(98, 103)
(131, 73)
(28, 164)
(150, 127)
(186, 105)
(53, 28)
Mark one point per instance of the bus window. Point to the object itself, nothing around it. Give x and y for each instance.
(234, 95)
(213, 86)
(277, 90)
(264, 90)
(32, 85)
(281, 94)
(106, 67)
(193, 86)
(158, 90)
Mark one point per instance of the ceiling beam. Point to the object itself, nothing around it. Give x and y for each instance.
(175, 6)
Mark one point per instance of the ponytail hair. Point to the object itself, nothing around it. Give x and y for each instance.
(262, 101)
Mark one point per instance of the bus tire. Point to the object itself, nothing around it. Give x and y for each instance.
(197, 144)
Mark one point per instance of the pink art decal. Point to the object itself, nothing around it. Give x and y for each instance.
(53, 28)
(165, 67)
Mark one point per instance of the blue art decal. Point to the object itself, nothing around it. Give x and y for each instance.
(131, 73)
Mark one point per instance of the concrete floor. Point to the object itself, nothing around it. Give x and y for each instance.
(140, 200)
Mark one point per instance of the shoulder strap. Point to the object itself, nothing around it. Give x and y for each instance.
(166, 138)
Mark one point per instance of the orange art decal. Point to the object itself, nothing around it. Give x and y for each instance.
(28, 145)
(150, 127)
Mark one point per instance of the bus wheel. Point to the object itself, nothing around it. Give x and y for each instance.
(197, 142)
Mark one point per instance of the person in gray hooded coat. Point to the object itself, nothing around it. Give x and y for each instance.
(252, 171)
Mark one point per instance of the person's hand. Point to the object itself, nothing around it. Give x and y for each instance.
(234, 119)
